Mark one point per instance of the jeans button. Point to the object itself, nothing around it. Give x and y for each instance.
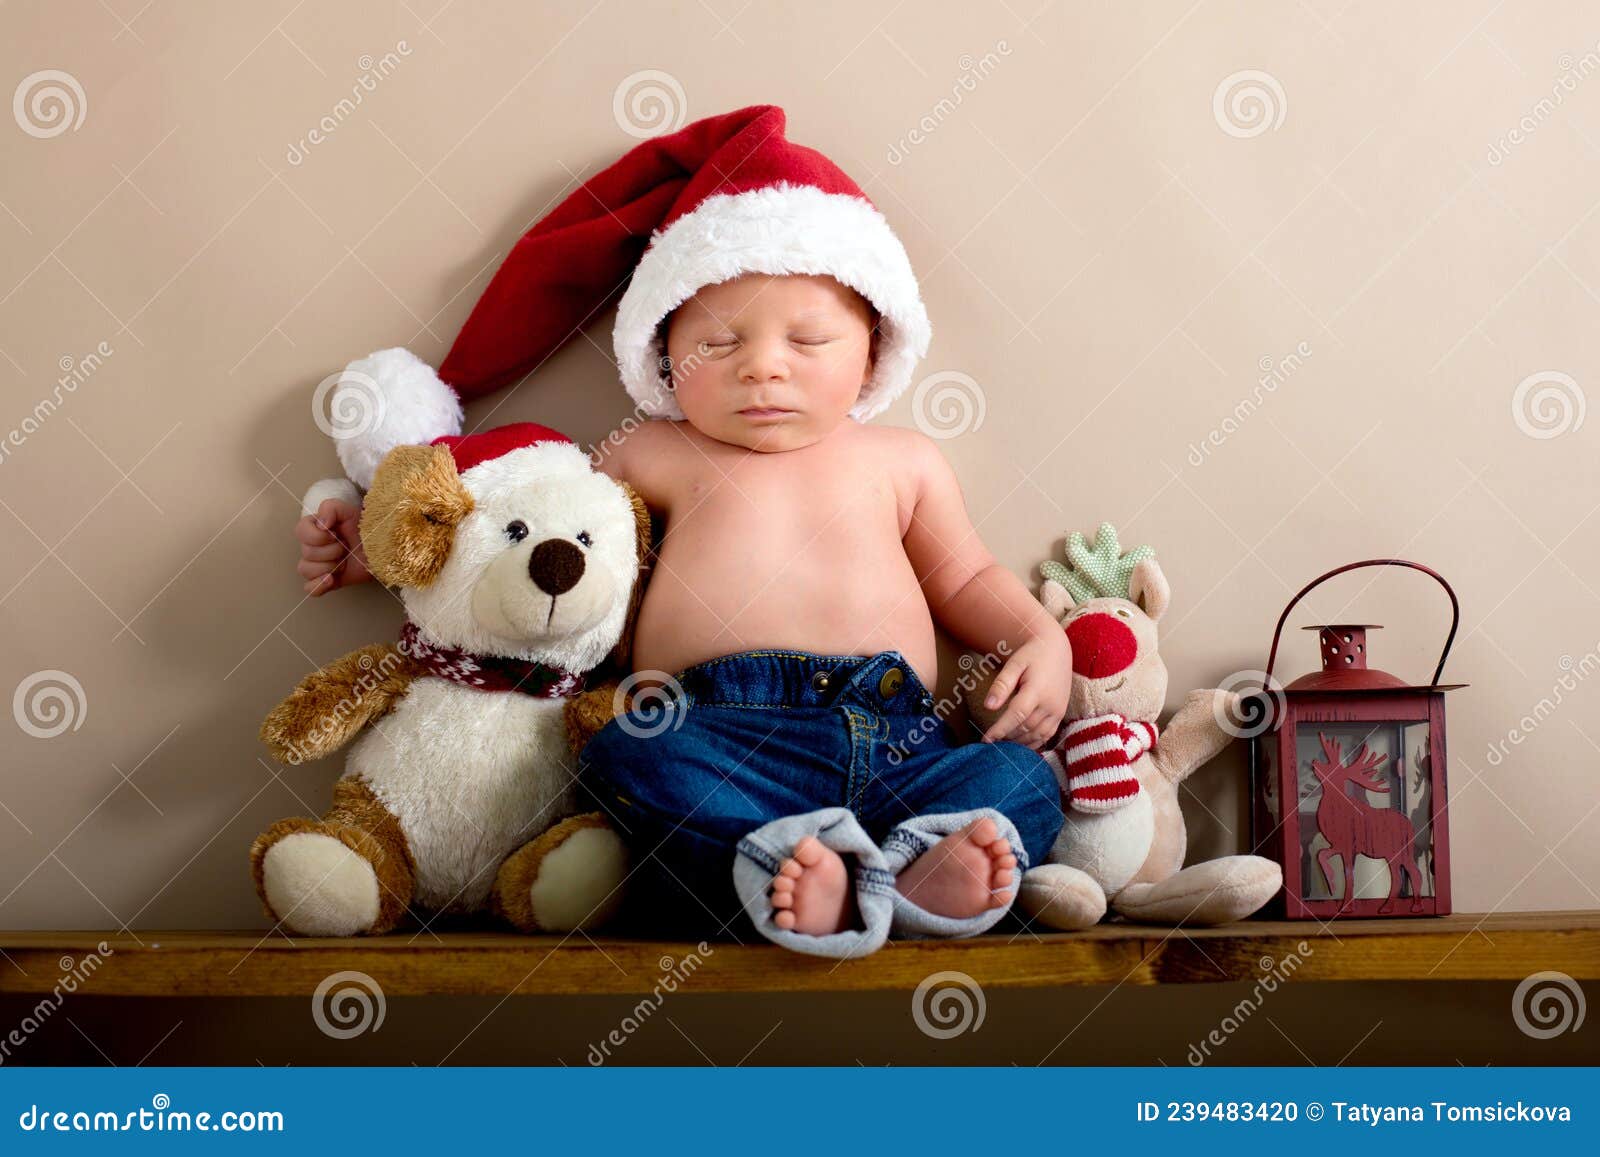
(893, 679)
(819, 681)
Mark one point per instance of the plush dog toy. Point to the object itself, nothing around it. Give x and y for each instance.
(1124, 839)
(519, 567)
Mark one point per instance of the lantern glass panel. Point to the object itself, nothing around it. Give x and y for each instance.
(1365, 800)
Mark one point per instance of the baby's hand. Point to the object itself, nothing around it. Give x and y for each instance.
(331, 555)
(1037, 679)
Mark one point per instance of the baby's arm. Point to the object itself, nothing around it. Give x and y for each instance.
(985, 606)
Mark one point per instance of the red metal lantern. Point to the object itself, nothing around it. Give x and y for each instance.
(1359, 756)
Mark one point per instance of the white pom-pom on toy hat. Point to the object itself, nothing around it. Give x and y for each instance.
(387, 399)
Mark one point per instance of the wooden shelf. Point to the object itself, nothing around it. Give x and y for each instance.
(1505, 946)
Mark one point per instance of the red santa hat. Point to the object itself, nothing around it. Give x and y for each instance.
(471, 450)
(721, 197)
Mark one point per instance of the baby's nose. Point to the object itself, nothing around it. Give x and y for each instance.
(763, 364)
(1102, 645)
(555, 566)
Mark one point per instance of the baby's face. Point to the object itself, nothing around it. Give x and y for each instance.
(770, 363)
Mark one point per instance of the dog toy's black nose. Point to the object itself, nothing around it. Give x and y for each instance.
(555, 566)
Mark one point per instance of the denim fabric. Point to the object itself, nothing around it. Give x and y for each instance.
(763, 735)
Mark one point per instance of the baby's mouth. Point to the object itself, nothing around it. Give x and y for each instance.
(760, 412)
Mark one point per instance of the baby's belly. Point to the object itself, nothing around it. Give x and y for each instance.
(841, 599)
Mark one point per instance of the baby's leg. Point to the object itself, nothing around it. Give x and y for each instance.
(967, 820)
(681, 798)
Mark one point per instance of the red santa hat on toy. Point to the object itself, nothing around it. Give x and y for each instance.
(721, 197)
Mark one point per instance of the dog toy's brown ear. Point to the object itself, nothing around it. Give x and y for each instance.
(641, 522)
(409, 520)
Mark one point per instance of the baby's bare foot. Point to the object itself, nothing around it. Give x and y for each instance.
(811, 892)
(963, 875)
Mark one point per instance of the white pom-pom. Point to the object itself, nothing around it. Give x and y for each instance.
(325, 488)
(388, 399)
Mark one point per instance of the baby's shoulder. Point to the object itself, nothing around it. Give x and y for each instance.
(905, 450)
(639, 441)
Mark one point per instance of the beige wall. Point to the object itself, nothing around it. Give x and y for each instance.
(1105, 261)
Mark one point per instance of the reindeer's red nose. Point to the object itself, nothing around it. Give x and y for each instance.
(1102, 645)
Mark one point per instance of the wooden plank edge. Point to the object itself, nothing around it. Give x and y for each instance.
(546, 966)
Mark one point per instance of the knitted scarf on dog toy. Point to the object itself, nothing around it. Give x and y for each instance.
(489, 672)
(1098, 753)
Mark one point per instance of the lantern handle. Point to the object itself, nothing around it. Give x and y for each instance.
(1455, 609)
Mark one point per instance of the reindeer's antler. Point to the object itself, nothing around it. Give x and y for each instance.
(1364, 760)
(1361, 765)
(1097, 570)
(1334, 756)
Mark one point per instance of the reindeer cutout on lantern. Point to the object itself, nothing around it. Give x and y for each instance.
(1353, 827)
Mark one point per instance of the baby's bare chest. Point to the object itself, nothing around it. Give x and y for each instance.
(824, 505)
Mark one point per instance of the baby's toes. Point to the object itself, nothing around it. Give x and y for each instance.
(1003, 878)
(789, 870)
(807, 854)
(783, 919)
(983, 832)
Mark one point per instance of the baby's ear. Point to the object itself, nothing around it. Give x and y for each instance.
(408, 524)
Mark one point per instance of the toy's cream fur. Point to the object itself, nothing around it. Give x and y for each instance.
(456, 798)
(1132, 859)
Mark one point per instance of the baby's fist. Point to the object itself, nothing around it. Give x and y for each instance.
(331, 555)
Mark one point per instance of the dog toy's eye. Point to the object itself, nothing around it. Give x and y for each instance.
(1124, 613)
(517, 531)
(583, 537)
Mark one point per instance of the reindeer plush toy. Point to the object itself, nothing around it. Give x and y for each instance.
(1124, 840)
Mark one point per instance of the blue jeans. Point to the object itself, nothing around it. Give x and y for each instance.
(759, 736)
